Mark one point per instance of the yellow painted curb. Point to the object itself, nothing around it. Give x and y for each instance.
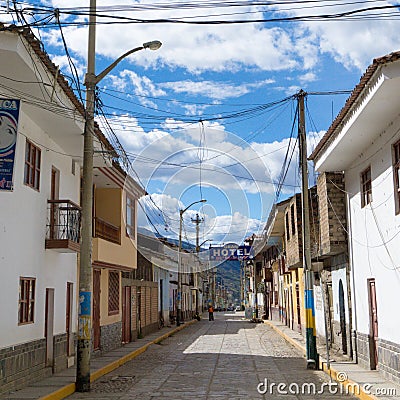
(348, 383)
(286, 337)
(60, 393)
(70, 388)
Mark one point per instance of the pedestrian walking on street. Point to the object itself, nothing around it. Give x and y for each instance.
(210, 313)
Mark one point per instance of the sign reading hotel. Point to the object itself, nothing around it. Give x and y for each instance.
(231, 251)
(9, 112)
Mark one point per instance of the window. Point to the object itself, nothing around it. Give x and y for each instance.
(293, 219)
(130, 217)
(396, 171)
(32, 165)
(26, 300)
(366, 187)
(287, 226)
(113, 292)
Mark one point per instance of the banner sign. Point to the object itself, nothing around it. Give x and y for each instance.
(9, 112)
(231, 251)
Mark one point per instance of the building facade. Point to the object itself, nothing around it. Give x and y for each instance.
(40, 213)
(364, 143)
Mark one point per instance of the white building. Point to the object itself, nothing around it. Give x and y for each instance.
(39, 214)
(364, 142)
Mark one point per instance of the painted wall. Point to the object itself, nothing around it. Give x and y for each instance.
(111, 204)
(23, 216)
(375, 234)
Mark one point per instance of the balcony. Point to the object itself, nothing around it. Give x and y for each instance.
(107, 231)
(63, 226)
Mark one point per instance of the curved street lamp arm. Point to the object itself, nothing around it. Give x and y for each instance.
(107, 70)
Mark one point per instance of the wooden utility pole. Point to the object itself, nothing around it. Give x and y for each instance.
(311, 343)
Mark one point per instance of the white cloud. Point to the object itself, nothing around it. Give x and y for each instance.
(214, 90)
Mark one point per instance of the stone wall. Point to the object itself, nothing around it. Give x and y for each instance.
(22, 364)
(332, 212)
(110, 336)
(363, 350)
(389, 360)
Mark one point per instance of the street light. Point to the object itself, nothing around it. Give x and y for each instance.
(85, 264)
(179, 288)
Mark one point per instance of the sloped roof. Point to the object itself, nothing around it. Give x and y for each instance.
(37, 47)
(366, 77)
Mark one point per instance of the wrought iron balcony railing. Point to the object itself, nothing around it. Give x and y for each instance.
(63, 225)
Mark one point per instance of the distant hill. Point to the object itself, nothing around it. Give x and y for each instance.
(230, 273)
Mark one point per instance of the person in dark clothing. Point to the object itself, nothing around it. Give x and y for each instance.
(210, 313)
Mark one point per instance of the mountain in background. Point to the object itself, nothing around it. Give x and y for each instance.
(229, 271)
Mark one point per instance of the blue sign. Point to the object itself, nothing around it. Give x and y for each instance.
(9, 113)
(231, 252)
(84, 303)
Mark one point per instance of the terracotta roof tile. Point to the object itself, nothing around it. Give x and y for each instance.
(377, 62)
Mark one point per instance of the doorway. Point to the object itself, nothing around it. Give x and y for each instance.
(373, 323)
(49, 327)
(68, 318)
(126, 314)
(342, 317)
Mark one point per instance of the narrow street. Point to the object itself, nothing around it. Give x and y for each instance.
(224, 359)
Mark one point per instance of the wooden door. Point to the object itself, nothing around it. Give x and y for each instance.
(96, 309)
(49, 327)
(68, 318)
(126, 314)
(54, 195)
(373, 315)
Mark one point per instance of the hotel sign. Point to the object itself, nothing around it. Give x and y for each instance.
(232, 252)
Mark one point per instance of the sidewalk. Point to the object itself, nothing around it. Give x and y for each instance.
(62, 384)
(367, 384)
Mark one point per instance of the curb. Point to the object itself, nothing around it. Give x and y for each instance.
(349, 384)
(69, 389)
(287, 338)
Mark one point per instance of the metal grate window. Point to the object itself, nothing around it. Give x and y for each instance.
(113, 292)
(26, 304)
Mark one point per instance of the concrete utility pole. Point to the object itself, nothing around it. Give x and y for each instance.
(85, 260)
(311, 344)
(179, 289)
(197, 221)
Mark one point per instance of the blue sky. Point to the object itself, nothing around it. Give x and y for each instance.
(205, 116)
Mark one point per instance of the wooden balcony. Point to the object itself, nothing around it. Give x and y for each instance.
(63, 226)
(107, 231)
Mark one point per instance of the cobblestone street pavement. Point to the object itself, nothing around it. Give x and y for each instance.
(224, 359)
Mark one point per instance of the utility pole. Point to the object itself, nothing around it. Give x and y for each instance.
(197, 221)
(311, 344)
(179, 289)
(85, 260)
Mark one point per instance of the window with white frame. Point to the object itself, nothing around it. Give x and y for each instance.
(366, 187)
(130, 216)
